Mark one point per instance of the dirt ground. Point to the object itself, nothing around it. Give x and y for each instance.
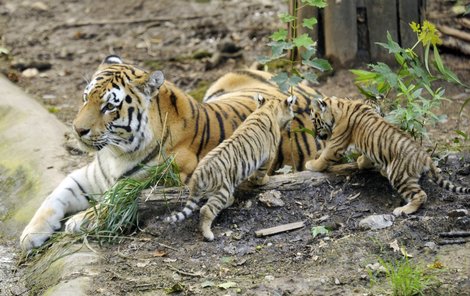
(181, 38)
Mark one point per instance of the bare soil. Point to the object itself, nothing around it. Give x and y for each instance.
(66, 40)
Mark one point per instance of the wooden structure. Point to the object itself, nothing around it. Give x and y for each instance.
(349, 29)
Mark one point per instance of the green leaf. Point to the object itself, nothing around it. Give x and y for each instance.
(227, 285)
(303, 41)
(465, 103)
(309, 22)
(280, 48)
(318, 230)
(363, 75)
(392, 46)
(462, 134)
(308, 53)
(294, 80)
(286, 17)
(426, 58)
(279, 35)
(320, 64)
(316, 3)
(310, 76)
(281, 80)
(304, 130)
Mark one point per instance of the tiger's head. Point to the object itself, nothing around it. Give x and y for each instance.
(115, 102)
(322, 118)
(284, 109)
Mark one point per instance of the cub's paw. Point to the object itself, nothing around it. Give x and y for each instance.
(81, 221)
(405, 210)
(36, 233)
(316, 165)
(259, 180)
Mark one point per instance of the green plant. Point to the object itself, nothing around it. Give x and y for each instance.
(406, 278)
(287, 45)
(413, 84)
(117, 214)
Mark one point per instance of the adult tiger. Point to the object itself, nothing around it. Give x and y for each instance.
(129, 114)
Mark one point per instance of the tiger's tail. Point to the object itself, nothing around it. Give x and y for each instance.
(436, 176)
(187, 211)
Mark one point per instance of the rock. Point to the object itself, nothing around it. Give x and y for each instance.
(458, 213)
(30, 72)
(374, 222)
(269, 278)
(41, 6)
(271, 199)
(431, 245)
(377, 267)
(337, 282)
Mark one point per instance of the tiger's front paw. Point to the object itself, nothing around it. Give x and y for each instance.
(81, 221)
(316, 165)
(37, 232)
(257, 180)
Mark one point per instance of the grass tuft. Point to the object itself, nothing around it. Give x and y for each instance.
(405, 278)
(117, 214)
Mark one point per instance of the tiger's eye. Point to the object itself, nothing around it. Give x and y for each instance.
(109, 106)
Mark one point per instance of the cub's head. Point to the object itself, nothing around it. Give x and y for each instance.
(114, 111)
(283, 109)
(322, 117)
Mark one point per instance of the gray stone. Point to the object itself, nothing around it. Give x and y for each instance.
(377, 221)
(271, 199)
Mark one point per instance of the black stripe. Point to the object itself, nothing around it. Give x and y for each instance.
(173, 99)
(147, 159)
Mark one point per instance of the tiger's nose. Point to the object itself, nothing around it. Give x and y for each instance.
(81, 131)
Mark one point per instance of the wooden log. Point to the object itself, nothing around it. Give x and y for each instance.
(408, 11)
(340, 30)
(381, 17)
(279, 229)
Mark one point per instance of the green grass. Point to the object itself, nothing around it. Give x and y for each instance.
(406, 278)
(117, 214)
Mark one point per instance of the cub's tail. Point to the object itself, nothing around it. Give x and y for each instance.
(187, 211)
(444, 183)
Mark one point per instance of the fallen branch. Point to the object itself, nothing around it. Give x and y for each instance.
(454, 32)
(279, 229)
(455, 234)
(184, 272)
(129, 21)
(452, 241)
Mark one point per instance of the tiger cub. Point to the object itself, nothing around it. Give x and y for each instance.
(249, 152)
(400, 159)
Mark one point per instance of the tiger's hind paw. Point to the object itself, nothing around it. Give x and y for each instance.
(405, 210)
(316, 165)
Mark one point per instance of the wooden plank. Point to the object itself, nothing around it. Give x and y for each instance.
(340, 31)
(408, 11)
(382, 16)
(279, 229)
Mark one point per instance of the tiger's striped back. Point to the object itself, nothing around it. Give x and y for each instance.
(249, 152)
(395, 153)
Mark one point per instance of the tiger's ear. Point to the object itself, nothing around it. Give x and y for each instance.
(112, 59)
(259, 99)
(291, 100)
(154, 82)
(319, 104)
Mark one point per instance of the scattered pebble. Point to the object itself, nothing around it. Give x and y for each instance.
(337, 282)
(376, 267)
(458, 213)
(269, 278)
(41, 6)
(30, 72)
(431, 245)
(271, 199)
(374, 222)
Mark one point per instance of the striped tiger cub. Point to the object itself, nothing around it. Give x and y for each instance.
(249, 152)
(343, 122)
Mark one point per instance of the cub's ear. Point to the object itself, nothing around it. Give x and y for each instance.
(291, 100)
(112, 59)
(319, 104)
(259, 99)
(154, 82)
